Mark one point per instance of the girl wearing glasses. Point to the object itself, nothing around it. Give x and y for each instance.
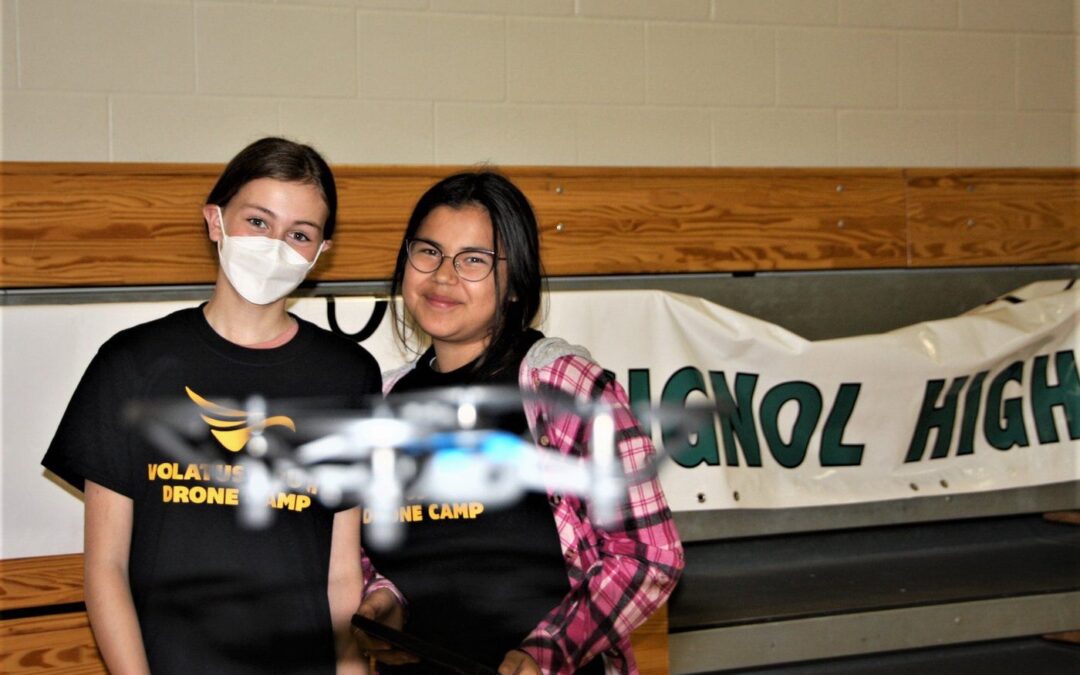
(536, 587)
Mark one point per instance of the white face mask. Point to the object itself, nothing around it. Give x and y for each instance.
(261, 269)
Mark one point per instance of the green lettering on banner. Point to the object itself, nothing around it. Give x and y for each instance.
(639, 392)
(679, 386)
(808, 398)
(972, 399)
(1065, 394)
(932, 416)
(834, 452)
(1003, 423)
(737, 416)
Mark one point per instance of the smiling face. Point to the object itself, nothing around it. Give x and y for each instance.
(458, 315)
(266, 207)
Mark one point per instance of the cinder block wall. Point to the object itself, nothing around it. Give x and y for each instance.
(563, 82)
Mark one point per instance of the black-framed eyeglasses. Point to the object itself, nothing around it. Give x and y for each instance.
(471, 264)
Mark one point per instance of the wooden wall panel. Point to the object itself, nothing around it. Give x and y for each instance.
(104, 224)
(622, 221)
(70, 224)
(989, 217)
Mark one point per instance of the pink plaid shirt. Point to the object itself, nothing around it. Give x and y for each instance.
(618, 575)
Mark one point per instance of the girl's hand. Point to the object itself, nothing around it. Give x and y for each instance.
(518, 663)
(382, 606)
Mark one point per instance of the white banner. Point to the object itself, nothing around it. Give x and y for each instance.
(984, 401)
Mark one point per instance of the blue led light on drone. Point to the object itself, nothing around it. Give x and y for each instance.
(452, 456)
(502, 446)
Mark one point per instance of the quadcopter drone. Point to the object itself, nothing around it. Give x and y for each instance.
(436, 443)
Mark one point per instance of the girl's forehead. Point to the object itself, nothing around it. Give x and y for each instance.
(468, 226)
(290, 200)
(276, 186)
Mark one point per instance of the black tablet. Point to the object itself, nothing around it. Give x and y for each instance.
(422, 649)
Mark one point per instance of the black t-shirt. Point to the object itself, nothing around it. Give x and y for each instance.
(212, 594)
(476, 584)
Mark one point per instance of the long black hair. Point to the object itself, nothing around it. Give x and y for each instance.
(280, 159)
(515, 237)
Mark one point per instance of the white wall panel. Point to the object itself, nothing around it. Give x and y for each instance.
(564, 82)
(106, 45)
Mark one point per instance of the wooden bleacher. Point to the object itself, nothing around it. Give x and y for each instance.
(44, 628)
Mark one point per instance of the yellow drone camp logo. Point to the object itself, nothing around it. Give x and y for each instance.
(231, 427)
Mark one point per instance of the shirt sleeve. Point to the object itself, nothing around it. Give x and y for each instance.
(622, 573)
(373, 581)
(92, 441)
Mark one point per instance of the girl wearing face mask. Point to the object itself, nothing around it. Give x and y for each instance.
(175, 582)
(536, 587)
